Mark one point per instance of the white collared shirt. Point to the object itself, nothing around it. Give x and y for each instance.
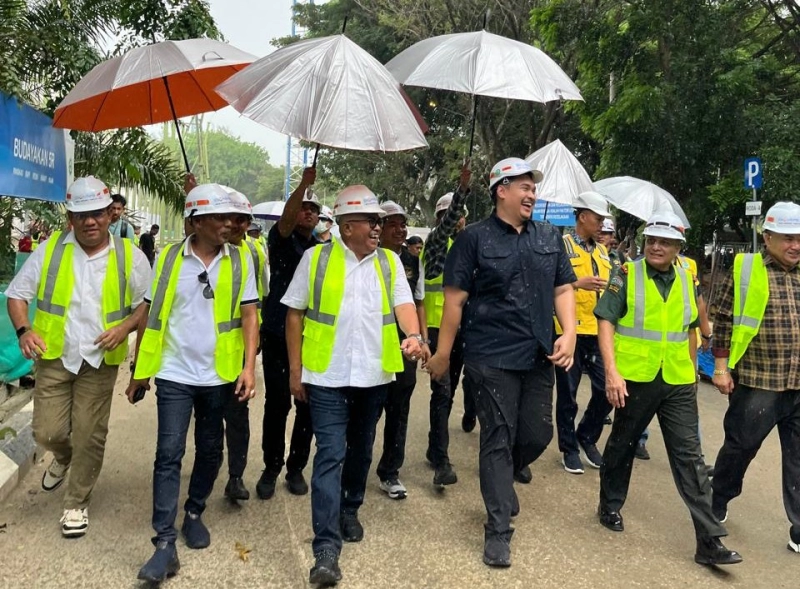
(190, 339)
(85, 312)
(358, 344)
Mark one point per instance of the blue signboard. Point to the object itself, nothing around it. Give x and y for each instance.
(556, 213)
(33, 161)
(753, 173)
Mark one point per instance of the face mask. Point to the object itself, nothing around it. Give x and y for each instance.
(321, 227)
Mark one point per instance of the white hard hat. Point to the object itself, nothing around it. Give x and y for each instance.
(326, 214)
(510, 168)
(608, 226)
(207, 199)
(311, 196)
(392, 208)
(356, 199)
(783, 217)
(665, 224)
(88, 194)
(443, 203)
(240, 201)
(593, 201)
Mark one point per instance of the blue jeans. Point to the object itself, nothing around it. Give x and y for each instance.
(175, 403)
(343, 421)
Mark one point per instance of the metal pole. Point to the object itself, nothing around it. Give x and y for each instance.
(755, 237)
(177, 128)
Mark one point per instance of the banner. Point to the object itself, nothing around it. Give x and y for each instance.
(33, 160)
(558, 214)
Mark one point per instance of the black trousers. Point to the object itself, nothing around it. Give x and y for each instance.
(237, 434)
(515, 410)
(587, 358)
(277, 402)
(442, 394)
(395, 425)
(751, 416)
(676, 407)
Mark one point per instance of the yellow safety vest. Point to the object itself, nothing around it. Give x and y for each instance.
(228, 294)
(55, 293)
(586, 300)
(654, 334)
(689, 265)
(750, 297)
(259, 258)
(434, 294)
(326, 293)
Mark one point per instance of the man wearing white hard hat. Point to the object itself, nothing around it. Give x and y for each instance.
(287, 240)
(646, 324)
(450, 220)
(757, 362)
(398, 396)
(88, 287)
(199, 342)
(346, 301)
(592, 266)
(502, 280)
(608, 237)
(323, 228)
(237, 411)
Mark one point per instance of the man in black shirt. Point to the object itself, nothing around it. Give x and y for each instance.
(398, 396)
(502, 279)
(288, 239)
(147, 243)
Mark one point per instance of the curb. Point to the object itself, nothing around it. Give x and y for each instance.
(17, 453)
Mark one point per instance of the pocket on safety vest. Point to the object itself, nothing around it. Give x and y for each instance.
(631, 348)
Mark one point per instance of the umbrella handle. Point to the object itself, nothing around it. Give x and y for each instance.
(316, 153)
(177, 127)
(472, 125)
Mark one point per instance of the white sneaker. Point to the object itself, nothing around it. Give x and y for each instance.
(74, 522)
(54, 476)
(792, 545)
(394, 488)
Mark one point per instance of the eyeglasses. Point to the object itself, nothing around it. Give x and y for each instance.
(373, 221)
(89, 215)
(208, 292)
(660, 242)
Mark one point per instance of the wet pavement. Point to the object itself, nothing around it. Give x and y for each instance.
(431, 539)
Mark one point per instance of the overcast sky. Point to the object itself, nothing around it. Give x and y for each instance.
(250, 26)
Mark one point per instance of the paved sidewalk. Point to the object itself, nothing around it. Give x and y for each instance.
(431, 539)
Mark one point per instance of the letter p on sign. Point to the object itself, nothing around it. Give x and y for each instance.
(753, 173)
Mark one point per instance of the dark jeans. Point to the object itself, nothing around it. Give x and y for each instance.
(751, 416)
(587, 358)
(515, 410)
(237, 434)
(395, 426)
(442, 394)
(344, 422)
(676, 407)
(175, 403)
(277, 402)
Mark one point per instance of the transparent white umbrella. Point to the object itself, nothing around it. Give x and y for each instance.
(270, 210)
(638, 197)
(483, 64)
(328, 91)
(564, 176)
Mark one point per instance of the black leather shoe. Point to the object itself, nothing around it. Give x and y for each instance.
(265, 487)
(641, 452)
(325, 571)
(611, 519)
(711, 551)
(296, 483)
(524, 475)
(515, 505)
(468, 422)
(444, 475)
(350, 527)
(235, 490)
(497, 550)
(164, 563)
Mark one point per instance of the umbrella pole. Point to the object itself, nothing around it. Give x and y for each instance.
(177, 127)
(472, 126)
(316, 153)
(546, 204)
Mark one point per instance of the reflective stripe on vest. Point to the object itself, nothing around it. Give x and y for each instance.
(237, 276)
(154, 320)
(750, 298)
(45, 303)
(654, 333)
(124, 309)
(434, 294)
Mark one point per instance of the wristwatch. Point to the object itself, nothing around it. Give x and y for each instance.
(22, 331)
(417, 337)
(707, 337)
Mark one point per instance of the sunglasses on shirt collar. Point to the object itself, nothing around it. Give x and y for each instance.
(208, 292)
